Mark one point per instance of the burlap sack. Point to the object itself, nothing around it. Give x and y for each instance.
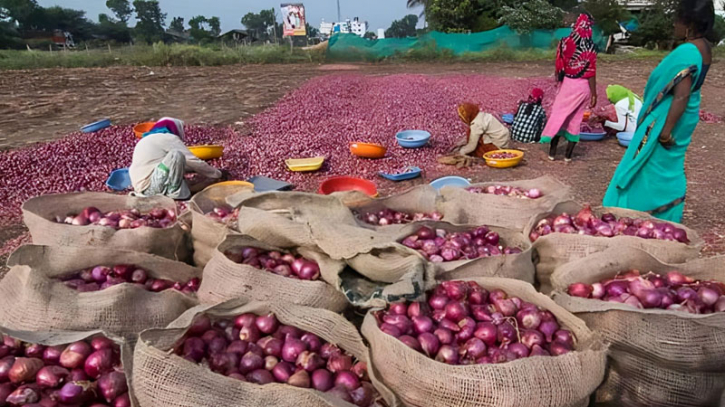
(566, 380)
(161, 378)
(225, 280)
(663, 358)
(57, 338)
(39, 216)
(463, 207)
(32, 299)
(419, 199)
(556, 249)
(516, 266)
(206, 233)
(383, 268)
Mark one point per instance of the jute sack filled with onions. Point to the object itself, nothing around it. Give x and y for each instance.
(663, 357)
(467, 251)
(64, 368)
(290, 219)
(553, 249)
(494, 364)
(35, 295)
(45, 216)
(163, 378)
(212, 219)
(234, 271)
(392, 213)
(509, 207)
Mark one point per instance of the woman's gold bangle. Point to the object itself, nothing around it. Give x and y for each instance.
(666, 140)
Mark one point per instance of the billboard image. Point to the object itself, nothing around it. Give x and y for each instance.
(293, 17)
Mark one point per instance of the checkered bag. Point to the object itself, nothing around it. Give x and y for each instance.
(527, 128)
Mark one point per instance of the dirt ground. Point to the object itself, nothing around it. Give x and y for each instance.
(41, 105)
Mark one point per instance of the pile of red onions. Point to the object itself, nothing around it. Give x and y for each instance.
(501, 156)
(225, 214)
(387, 217)
(585, 223)
(261, 350)
(101, 277)
(673, 291)
(125, 219)
(282, 264)
(465, 324)
(84, 373)
(440, 246)
(516, 192)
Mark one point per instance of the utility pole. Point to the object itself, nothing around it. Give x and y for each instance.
(339, 16)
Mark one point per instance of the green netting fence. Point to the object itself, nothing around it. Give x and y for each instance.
(352, 47)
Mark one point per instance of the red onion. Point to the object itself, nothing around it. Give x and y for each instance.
(112, 385)
(528, 318)
(123, 400)
(364, 395)
(282, 371)
(328, 350)
(520, 350)
(410, 342)
(447, 354)
(24, 395)
(51, 376)
(24, 370)
(99, 362)
(391, 330)
(361, 370)
(194, 349)
(341, 392)
(5, 390)
(445, 336)
(260, 376)
(310, 361)
(473, 349)
(6, 364)
(537, 350)
(292, 348)
(339, 362)
(438, 302)
(422, 324)
(347, 379)
(531, 337)
(76, 392)
(250, 362)
(487, 332)
(267, 323)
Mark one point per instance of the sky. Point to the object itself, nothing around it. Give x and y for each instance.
(379, 13)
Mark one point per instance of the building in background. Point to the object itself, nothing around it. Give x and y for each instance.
(381, 33)
(354, 26)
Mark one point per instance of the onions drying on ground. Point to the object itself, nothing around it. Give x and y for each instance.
(516, 192)
(125, 219)
(440, 246)
(261, 350)
(462, 323)
(101, 277)
(83, 373)
(586, 223)
(672, 291)
(591, 128)
(283, 264)
(386, 217)
(225, 214)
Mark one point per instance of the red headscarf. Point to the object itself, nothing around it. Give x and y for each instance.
(537, 95)
(576, 56)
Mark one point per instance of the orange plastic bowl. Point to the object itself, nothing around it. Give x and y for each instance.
(587, 115)
(368, 150)
(142, 128)
(341, 184)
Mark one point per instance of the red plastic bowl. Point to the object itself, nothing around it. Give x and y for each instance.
(340, 184)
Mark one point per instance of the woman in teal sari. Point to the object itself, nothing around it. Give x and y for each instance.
(651, 175)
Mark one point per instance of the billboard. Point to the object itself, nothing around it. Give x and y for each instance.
(293, 17)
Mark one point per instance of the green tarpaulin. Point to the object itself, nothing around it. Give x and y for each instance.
(352, 47)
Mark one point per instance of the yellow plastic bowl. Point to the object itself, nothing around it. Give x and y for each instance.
(142, 128)
(503, 162)
(305, 164)
(231, 183)
(368, 150)
(207, 152)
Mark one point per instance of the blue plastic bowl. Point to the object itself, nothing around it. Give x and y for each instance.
(99, 125)
(119, 180)
(451, 181)
(592, 136)
(412, 138)
(508, 118)
(413, 172)
(625, 138)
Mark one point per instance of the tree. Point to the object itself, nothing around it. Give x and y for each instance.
(402, 28)
(204, 29)
(656, 25)
(112, 30)
(607, 14)
(451, 15)
(532, 15)
(177, 24)
(260, 23)
(150, 25)
(18, 11)
(370, 36)
(65, 19)
(121, 8)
